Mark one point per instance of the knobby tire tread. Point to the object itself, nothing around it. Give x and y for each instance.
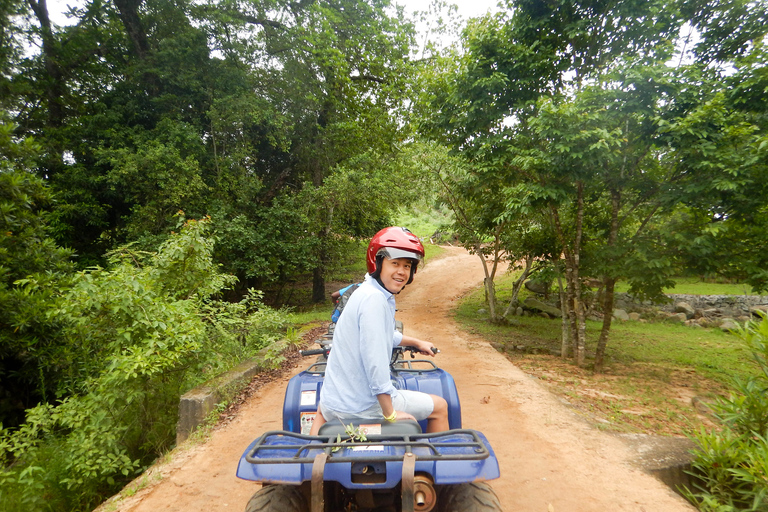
(469, 497)
(278, 498)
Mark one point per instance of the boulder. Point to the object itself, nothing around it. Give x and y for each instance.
(620, 314)
(678, 317)
(729, 324)
(543, 307)
(634, 316)
(684, 307)
(538, 287)
(760, 310)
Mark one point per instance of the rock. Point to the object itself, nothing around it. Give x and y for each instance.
(684, 307)
(519, 311)
(537, 305)
(729, 324)
(544, 315)
(538, 287)
(634, 316)
(760, 310)
(678, 317)
(620, 314)
(482, 311)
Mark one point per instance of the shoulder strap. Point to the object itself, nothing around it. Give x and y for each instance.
(347, 293)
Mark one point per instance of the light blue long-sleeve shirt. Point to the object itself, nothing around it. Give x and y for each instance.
(358, 364)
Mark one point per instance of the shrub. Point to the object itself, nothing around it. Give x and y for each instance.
(733, 463)
(134, 338)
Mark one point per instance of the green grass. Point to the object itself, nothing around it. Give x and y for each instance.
(710, 352)
(656, 375)
(698, 286)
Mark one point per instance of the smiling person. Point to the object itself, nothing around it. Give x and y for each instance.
(357, 382)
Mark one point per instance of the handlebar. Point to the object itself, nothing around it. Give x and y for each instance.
(321, 351)
(414, 350)
(313, 351)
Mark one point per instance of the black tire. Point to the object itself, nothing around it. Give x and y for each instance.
(471, 497)
(278, 498)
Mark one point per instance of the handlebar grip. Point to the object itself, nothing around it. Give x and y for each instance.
(435, 350)
(312, 352)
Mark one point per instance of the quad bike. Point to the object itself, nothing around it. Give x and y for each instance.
(369, 466)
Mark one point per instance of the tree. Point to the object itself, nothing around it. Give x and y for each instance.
(504, 108)
(212, 109)
(28, 365)
(577, 106)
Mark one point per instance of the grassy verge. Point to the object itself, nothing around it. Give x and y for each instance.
(658, 378)
(698, 286)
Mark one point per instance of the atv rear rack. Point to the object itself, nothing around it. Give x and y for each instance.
(284, 447)
(454, 445)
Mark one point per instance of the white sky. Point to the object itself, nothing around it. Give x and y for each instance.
(466, 8)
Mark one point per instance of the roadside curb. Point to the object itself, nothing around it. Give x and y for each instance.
(196, 404)
(667, 458)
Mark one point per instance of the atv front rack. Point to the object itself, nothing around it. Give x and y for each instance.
(382, 461)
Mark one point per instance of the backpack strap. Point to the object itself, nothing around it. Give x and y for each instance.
(343, 299)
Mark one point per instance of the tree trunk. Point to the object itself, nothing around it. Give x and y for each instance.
(610, 284)
(565, 347)
(581, 348)
(607, 319)
(573, 284)
(128, 10)
(55, 87)
(513, 302)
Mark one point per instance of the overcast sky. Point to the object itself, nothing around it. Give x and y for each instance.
(467, 8)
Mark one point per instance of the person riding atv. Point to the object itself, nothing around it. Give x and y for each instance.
(357, 379)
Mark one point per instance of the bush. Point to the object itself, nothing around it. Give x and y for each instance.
(733, 463)
(134, 338)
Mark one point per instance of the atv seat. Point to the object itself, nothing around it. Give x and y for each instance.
(397, 428)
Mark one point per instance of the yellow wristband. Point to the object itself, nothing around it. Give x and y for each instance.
(391, 418)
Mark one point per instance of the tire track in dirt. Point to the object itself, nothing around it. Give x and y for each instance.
(551, 460)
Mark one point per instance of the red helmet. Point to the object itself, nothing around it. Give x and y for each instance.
(394, 242)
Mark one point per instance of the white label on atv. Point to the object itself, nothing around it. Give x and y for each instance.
(307, 419)
(368, 448)
(371, 430)
(308, 397)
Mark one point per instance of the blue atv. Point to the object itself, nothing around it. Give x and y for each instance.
(367, 466)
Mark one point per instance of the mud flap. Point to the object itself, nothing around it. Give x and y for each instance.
(318, 494)
(407, 482)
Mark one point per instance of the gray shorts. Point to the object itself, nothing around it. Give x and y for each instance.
(417, 404)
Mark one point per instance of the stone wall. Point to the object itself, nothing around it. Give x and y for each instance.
(723, 311)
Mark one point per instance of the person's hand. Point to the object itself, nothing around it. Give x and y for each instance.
(401, 415)
(426, 348)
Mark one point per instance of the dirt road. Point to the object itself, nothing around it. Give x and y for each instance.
(551, 460)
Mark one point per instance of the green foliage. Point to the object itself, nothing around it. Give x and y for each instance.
(28, 366)
(570, 120)
(732, 463)
(709, 352)
(133, 338)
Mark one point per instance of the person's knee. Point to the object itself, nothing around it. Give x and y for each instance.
(441, 406)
